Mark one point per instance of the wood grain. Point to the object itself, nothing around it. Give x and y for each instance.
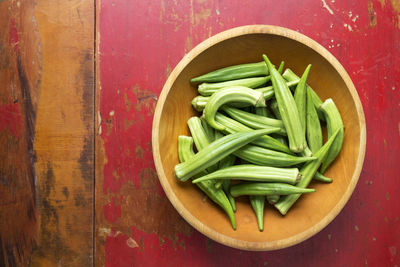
(20, 67)
(64, 130)
(46, 130)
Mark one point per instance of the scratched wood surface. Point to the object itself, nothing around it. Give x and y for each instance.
(140, 42)
(46, 132)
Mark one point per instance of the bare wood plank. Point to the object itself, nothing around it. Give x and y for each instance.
(64, 129)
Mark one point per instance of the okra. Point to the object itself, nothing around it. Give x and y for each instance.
(214, 152)
(230, 94)
(313, 128)
(275, 109)
(300, 97)
(321, 178)
(185, 148)
(263, 111)
(281, 66)
(254, 121)
(289, 75)
(262, 189)
(288, 110)
(210, 132)
(257, 203)
(199, 102)
(200, 137)
(250, 172)
(232, 126)
(308, 171)
(225, 162)
(266, 157)
(234, 72)
(272, 199)
(268, 91)
(207, 89)
(226, 184)
(333, 123)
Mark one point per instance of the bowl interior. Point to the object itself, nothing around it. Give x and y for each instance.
(310, 209)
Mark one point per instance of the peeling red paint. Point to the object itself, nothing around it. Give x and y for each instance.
(10, 118)
(112, 211)
(140, 45)
(13, 35)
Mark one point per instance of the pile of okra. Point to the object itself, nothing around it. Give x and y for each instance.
(259, 135)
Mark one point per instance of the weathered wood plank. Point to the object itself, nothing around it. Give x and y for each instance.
(64, 133)
(46, 133)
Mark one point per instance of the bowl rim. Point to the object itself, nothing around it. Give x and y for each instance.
(204, 229)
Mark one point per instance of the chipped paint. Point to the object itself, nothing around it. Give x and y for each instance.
(130, 242)
(372, 14)
(382, 3)
(325, 5)
(356, 228)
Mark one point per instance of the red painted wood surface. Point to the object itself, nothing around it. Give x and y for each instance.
(140, 42)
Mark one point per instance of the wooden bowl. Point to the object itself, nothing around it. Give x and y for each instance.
(312, 212)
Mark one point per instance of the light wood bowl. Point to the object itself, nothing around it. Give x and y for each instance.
(328, 78)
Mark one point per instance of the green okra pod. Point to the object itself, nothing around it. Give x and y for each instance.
(185, 149)
(250, 172)
(321, 178)
(281, 66)
(289, 75)
(230, 94)
(234, 72)
(262, 189)
(257, 203)
(272, 199)
(288, 110)
(199, 102)
(209, 131)
(200, 138)
(226, 184)
(254, 121)
(313, 129)
(275, 109)
(308, 171)
(263, 111)
(267, 157)
(207, 89)
(214, 152)
(232, 126)
(333, 123)
(268, 91)
(300, 97)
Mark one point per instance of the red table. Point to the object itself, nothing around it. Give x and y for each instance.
(140, 43)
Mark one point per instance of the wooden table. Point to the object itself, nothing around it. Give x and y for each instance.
(79, 81)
